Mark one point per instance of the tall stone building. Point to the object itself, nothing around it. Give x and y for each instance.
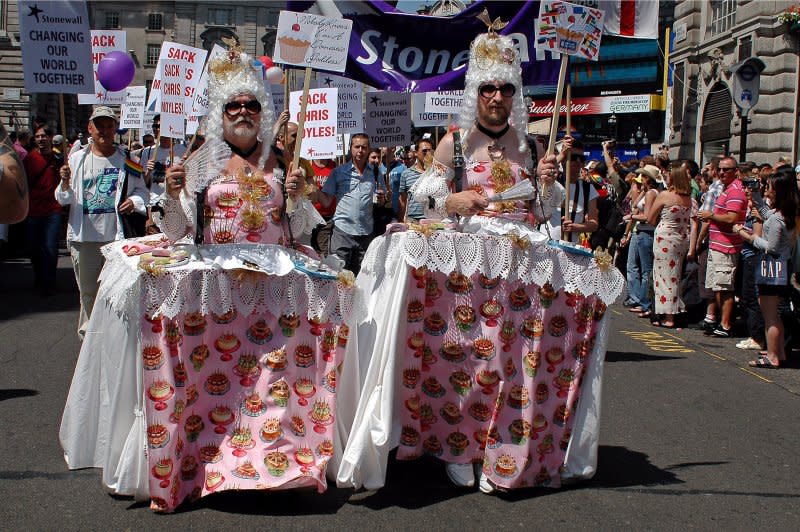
(710, 37)
(148, 24)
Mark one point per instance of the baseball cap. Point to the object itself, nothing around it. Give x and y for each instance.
(100, 111)
(650, 170)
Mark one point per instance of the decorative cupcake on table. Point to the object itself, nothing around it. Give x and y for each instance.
(461, 382)
(325, 449)
(276, 463)
(253, 405)
(304, 457)
(271, 431)
(328, 343)
(563, 381)
(248, 368)
(214, 479)
(532, 328)
(451, 413)
(329, 381)
(177, 411)
(157, 435)
(304, 388)
(225, 318)
(189, 467)
(464, 316)
(317, 325)
(519, 430)
(432, 446)
(432, 292)
(483, 348)
(432, 388)
(245, 471)
(518, 299)
(518, 397)
(554, 357)
(479, 411)
(194, 324)
(542, 393)
(416, 341)
(582, 349)
(241, 441)
(420, 275)
(409, 436)
(508, 333)
(297, 426)
(564, 443)
(488, 283)
(275, 360)
(410, 377)
(179, 374)
(505, 466)
(343, 333)
(510, 369)
(193, 426)
(259, 332)
(160, 392)
(539, 425)
(221, 416)
(584, 316)
(458, 443)
(546, 447)
(426, 417)
(173, 336)
(412, 405)
(458, 283)
(530, 363)
(415, 311)
(191, 394)
(210, 453)
(226, 344)
(198, 356)
(428, 358)
(491, 310)
(487, 379)
(547, 295)
(289, 324)
(321, 415)
(303, 356)
(217, 384)
(452, 352)
(561, 415)
(152, 357)
(435, 324)
(162, 471)
(279, 392)
(574, 298)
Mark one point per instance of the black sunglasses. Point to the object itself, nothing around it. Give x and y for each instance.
(156, 126)
(506, 91)
(729, 169)
(251, 106)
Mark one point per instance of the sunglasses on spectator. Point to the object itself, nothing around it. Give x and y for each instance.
(506, 91)
(156, 126)
(727, 169)
(251, 106)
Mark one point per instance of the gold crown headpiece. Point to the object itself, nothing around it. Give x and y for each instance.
(230, 64)
(490, 49)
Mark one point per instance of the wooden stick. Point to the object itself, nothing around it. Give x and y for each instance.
(568, 166)
(171, 151)
(562, 75)
(130, 139)
(158, 145)
(301, 122)
(63, 124)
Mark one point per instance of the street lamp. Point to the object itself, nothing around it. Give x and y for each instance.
(639, 134)
(612, 126)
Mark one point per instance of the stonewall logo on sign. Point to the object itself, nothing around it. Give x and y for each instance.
(388, 119)
(351, 119)
(319, 129)
(56, 49)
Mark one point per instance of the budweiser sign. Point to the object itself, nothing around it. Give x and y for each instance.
(637, 103)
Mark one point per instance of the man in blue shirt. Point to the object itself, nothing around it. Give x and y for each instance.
(410, 209)
(354, 186)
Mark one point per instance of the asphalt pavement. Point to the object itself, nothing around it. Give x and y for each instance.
(690, 439)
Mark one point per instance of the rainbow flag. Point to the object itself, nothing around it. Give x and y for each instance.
(132, 167)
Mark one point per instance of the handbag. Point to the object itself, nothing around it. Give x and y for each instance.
(772, 270)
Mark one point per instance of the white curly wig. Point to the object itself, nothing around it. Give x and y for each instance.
(493, 57)
(230, 76)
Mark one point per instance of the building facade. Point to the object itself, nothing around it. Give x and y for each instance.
(710, 37)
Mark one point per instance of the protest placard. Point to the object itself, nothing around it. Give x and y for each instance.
(103, 42)
(388, 119)
(133, 108)
(200, 104)
(312, 41)
(190, 59)
(350, 116)
(448, 102)
(173, 110)
(569, 29)
(423, 118)
(56, 46)
(319, 128)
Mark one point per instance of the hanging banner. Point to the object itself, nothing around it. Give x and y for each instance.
(319, 130)
(350, 116)
(635, 103)
(103, 42)
(312, 41)
(190, 59)
(396, 51)
(56, 46)
(133, 108)
(422, 118)
(388, 119)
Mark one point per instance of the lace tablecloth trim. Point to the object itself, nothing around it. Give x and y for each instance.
(492, 256)
(200, 288)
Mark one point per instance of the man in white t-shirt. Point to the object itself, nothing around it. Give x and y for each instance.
(91, 184)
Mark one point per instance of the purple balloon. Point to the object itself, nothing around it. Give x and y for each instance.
(116, 70)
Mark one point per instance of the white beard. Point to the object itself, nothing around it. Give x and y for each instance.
(232, 129)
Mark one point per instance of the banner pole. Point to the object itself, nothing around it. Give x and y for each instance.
(62, 115)
(301, 122)
(562, 74)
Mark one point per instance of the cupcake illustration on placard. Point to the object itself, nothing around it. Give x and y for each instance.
(294, 44)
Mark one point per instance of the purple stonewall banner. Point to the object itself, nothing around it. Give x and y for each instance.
(397, 51)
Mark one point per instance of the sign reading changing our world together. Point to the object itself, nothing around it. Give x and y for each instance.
(56, 49)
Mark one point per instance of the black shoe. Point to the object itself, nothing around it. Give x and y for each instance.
(722, 332)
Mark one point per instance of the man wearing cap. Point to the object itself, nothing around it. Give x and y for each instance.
(91, 185)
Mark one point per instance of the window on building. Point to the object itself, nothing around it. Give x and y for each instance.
(220, 17)
(153, 51)
(745, 47)
(723, 15)
(155, 21)
(112, 20)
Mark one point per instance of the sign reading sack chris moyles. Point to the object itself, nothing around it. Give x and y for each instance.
(56, 47)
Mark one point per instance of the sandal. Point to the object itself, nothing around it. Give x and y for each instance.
(665, 325)
(645, 314)
(763, 363)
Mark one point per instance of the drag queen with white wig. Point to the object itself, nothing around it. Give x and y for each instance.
(235, 195)
(479, 337)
